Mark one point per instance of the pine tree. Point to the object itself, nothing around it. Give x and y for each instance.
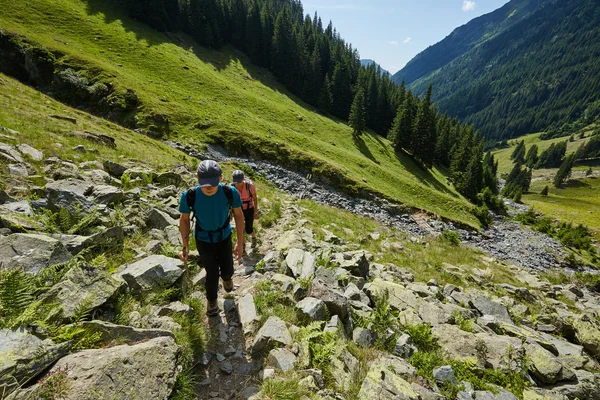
(564, 172)
(531, 158)
(357, 113)
(325, 98)
(423, 140)
(544, 191)
(518, 155)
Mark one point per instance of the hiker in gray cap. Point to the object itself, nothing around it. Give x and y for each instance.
(210, 205)
(247, 192)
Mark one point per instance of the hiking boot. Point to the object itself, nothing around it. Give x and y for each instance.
(212, 309)
(254, 242)
(228, 285)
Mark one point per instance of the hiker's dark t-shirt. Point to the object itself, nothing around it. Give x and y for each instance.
(211, 212)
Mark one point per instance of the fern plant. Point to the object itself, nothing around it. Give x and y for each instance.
(17, 290)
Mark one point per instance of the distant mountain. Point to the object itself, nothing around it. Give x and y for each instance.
(367, 62)
(527, 66)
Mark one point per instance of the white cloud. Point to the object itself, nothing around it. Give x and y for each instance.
(394, 43)
(407, 40)
(468, 5)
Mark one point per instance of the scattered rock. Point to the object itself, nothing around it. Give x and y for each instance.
(34, 154)
(105, 194)
(159, 219)
(444, 375)
(282, 359)
(83, 286)
(335, 301)
(404, 347)
(386, 378)
(70, 195)
(152, 272)
(31, 252)
(272, 334)
(24, 356)
(312, 308)
(301, 263)
(487, 307)
(111, 333)
(146, 370)
(18, 170)
(114, 168)
(363, 337)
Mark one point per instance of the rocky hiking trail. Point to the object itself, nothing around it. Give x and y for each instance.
(95, 303)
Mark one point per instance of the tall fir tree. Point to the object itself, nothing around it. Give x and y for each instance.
(423, 140)
(357, 113)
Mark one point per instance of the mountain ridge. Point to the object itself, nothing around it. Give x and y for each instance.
(540, 73)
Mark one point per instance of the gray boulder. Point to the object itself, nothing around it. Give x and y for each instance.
(387, 379)
(144, 174)
(32, 252)
(107, 239)
(83, 286)
(248, 314)
(487, 307)
(159, 219)
(106, 194)
(312, 308)
(272, 334)
(69, 194)
(344, 367)
(146, 370)
(23, 356)
(301, 263)
(111, 333)
(33, 153)
(404, 347)
(357, 262)
(336, 302)
(363, 337)
(153, 272)
(174, 309)
(544, 366)
(9, 154)
(169, 178)
(114, 169)
(18, 170)
(282, 359)
(444, 375)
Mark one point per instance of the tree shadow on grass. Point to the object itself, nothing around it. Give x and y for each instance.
(424, 174)
(363, 148)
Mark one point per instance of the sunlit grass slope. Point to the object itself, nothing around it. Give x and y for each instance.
(218, 95)
(28, 112)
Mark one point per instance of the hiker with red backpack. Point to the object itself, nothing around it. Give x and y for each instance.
(247, 192)
(210, 205)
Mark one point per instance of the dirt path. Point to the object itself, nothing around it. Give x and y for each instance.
(228, 369)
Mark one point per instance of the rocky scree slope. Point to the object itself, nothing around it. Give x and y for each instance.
(96, 245)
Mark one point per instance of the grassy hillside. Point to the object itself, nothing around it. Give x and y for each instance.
(578, 201)
(29, 112)
(219, 96)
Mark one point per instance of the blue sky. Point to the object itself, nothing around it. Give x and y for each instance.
(392, 32)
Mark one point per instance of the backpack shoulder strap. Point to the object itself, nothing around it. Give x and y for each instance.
(228, 194)
(190, 198)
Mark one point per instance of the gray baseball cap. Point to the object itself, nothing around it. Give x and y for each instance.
(238, 176)
(209, 173)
